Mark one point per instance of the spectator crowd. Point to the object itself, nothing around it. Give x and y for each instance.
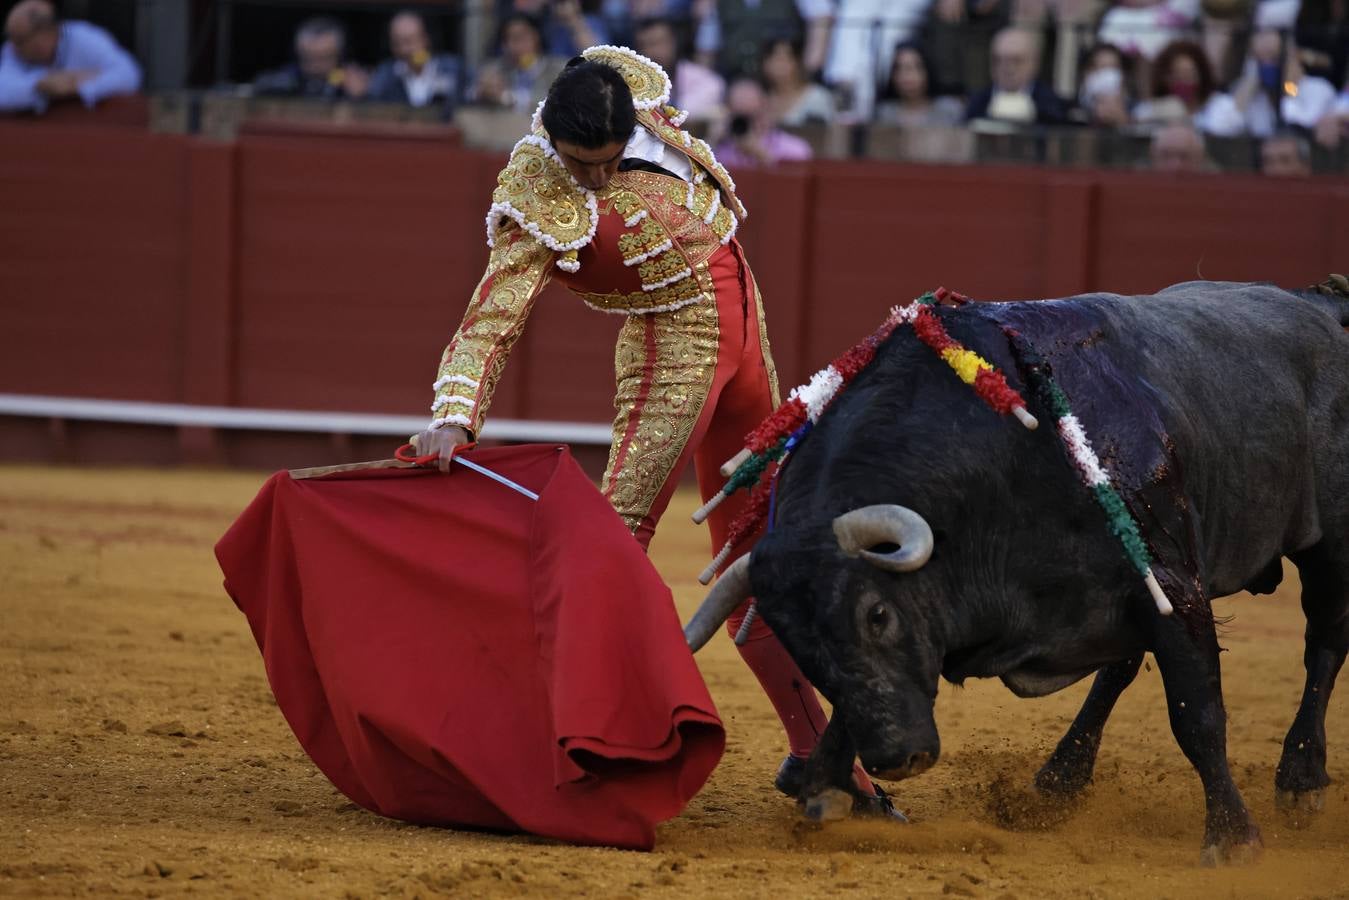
(751, 72)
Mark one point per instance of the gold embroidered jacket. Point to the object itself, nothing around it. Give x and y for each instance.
(634, 247)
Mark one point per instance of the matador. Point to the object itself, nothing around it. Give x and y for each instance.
(609, 195)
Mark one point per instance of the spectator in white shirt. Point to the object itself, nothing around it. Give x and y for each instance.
(1274, 91)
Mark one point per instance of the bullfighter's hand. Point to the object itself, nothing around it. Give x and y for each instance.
(440, 441)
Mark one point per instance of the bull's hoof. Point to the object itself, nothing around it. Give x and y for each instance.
(1062, 783)
(1231, 852)
(829, 805)
(1299, 808)
(878, 806)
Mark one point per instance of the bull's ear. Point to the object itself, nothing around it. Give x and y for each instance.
(888, 536)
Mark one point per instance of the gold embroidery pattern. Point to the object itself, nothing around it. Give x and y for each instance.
(684, 366)
(697, 150)
(672, 296)
(666, 269)
(517, 271)
(537, 192)
(765, 350)
(627, 204)
(640, 243)
(648, 82)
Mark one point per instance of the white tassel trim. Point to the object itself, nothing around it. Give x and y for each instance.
(506, 209)
(735, 226)
(569, 265)
(452, 399)
(658, 102)
(454, 379)
(816, 393)
(904, 314)
(667, 307)
(680, 118)
(536, 120)
(1080, 447)
(635, 218)
(449, 420)
(678, 276)
(667, 244)
(713, 208)
(688, 138)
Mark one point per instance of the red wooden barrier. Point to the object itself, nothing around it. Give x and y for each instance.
(327, 272)
(93, 224)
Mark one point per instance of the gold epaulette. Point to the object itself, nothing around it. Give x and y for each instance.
(536, 191)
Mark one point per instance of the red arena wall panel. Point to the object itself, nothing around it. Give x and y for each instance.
(883, 234)
(1153, 231)
(92, 261)
(355, 257)
(327, 271)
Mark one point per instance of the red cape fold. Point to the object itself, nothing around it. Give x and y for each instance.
(450, 652)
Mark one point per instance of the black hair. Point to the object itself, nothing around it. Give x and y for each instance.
(888, 91)
(589, 105)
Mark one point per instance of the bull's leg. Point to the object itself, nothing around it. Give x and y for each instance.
(1193, 682)
(1301, 779)
(1069, 770)
(827, 792)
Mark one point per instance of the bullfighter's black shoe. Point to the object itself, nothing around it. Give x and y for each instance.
(791, 776)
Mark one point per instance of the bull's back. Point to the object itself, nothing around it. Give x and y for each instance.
(1254, 388)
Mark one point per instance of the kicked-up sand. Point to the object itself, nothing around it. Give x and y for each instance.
(141, 753)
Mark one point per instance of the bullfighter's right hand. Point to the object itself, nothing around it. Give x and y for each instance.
(440, 441)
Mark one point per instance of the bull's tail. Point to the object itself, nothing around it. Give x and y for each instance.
(1333, 296)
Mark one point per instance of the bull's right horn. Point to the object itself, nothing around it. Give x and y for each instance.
(859, 530)
(731, 590)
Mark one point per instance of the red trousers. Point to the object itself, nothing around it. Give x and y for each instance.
(691, 383)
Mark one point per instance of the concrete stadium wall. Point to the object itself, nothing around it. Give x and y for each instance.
(327, 272)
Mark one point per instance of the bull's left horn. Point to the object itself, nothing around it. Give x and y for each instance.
(859, 530)
(731, 590)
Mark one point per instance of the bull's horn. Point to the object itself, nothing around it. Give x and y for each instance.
(731, 590)
(861, 529)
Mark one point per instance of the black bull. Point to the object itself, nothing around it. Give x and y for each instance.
(1222, 413)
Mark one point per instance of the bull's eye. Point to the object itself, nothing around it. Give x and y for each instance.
(878, 616)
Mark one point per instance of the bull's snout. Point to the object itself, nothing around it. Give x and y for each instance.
(913, 764)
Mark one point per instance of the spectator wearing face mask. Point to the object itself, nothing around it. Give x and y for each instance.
(1183, 91)
(1275, 92)
(1103, 88)
(1017, 94)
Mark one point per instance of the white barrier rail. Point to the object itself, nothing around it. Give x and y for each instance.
(180, 414)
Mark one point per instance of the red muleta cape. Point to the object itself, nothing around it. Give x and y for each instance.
(450, 652)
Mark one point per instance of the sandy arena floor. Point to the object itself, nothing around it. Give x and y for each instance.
(141, 753)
